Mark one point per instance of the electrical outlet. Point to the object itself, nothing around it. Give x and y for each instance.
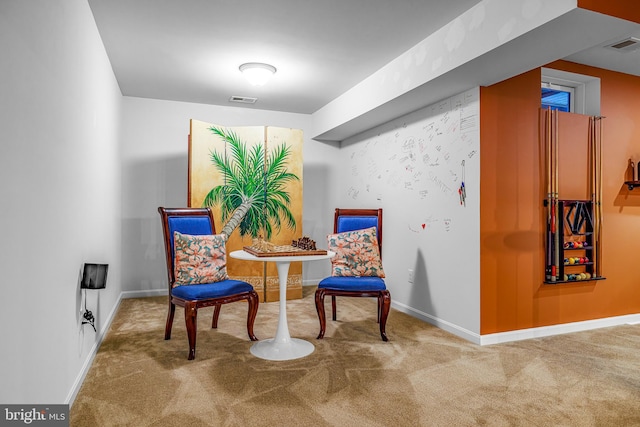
(410, 276)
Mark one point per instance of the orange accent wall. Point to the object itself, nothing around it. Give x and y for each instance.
(625, 9)
(513, 218)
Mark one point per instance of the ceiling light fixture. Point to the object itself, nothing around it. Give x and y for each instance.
(257, 73)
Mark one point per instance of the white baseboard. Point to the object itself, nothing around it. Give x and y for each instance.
(144, 294)
(564, 328)
(442, 324)
(522, 334)
(77, 384)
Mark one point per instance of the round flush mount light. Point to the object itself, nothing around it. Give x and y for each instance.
(257, 73)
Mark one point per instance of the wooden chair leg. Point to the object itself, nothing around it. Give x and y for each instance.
(251, 315)
(216, 315)
(320, 309)
(191, 320)
(333, 307)
(384, 301)
(169, 325)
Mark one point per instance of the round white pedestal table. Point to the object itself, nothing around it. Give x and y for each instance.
(282, 347)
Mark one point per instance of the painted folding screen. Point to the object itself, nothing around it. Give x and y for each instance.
(262, 166)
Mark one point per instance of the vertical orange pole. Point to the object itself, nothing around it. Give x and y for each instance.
(558, 228)
(592, 189)
(599, 259)
(547, 137)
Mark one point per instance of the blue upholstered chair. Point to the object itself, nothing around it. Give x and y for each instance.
(199, 222)
(364, 286)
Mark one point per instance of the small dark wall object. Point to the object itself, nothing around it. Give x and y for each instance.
(94, 276)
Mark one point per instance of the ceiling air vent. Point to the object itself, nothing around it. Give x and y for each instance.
(627, 45)
(243, 99)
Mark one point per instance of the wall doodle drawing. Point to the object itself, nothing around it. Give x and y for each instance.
(418, 158)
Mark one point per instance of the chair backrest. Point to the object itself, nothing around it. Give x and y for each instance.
(193, 221)
(358, 219)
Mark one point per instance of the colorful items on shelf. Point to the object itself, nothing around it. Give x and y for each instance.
(575, 245)
(576, 260)
(577, 277)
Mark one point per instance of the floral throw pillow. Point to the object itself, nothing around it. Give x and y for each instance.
(357, 253)
(199, 259)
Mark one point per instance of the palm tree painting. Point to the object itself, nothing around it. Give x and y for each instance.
(251, 177)
(253, 194)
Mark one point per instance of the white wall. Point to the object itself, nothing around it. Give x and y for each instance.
(60, 192)
(412, 168)
(155, 168)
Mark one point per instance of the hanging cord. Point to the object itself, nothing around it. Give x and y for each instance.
(88, 315)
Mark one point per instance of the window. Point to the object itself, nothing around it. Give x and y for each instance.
(571, 92)
(557, 97)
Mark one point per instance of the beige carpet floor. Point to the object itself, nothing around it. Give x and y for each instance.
(422, 377)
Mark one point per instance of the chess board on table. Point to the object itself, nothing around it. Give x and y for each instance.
(300, 247)
(282, 250)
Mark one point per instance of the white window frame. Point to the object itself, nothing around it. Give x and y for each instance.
(586, 89)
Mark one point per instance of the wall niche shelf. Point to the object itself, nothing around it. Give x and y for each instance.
(572, 248)
(574, 227)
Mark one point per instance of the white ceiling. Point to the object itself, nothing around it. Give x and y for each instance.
(190, 50)
(602, 56)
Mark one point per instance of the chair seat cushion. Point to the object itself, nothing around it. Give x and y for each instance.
(368, 283)
(211, 290)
